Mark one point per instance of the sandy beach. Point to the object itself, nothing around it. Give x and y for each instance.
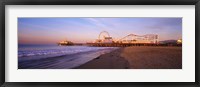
(138, 57)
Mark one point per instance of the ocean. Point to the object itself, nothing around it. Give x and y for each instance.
(57, 57)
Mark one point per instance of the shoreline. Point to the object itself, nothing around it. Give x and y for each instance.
(140, 57)
(111, 60)
(61, 62)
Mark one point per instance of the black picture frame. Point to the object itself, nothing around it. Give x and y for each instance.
(98, 2)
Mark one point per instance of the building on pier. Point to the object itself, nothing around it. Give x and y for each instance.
(65, 43)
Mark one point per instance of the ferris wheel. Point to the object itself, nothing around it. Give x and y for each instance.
(104, 35)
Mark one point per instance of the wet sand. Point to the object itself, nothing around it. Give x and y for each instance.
(110, 60)
(138, 57)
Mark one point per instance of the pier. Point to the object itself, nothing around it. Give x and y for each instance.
(105, 40)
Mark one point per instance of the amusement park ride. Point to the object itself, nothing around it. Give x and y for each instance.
(104, 37)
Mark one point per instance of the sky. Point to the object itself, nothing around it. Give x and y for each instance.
(81, 30)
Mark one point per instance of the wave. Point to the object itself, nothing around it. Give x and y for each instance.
(53, 51)
(58, 57)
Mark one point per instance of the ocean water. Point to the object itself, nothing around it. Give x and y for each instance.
(57, 57)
